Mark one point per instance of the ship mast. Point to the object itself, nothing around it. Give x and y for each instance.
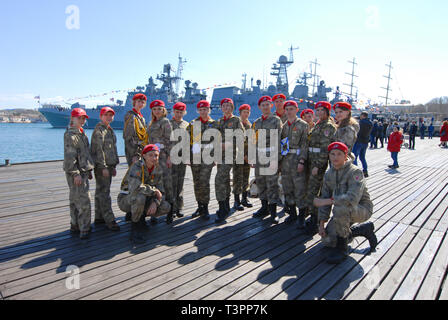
(351, 85)
(180, 68)
(314, 74)
(388, 83)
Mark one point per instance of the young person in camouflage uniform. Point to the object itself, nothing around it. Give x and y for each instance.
(241, 172)
(142, 192)
(294, 151)
(267, 184)
(279, 103)
(78, 166)
(159, 134)
(105, 156)
(178, 170)
(201, 171)
(222, 178)
(307, 115)
(319, 138)
(348, 127)
(344, 192)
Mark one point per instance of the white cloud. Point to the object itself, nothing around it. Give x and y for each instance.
(373, 17)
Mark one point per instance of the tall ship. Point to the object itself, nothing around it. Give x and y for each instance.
(168, 92)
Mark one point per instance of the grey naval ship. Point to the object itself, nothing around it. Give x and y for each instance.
(59, 117)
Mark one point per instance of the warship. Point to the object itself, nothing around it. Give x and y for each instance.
(59, 117)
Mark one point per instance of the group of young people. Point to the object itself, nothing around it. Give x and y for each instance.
(298, 153)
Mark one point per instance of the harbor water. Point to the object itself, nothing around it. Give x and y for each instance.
(31, 142)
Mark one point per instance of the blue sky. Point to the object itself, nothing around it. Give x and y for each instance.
(119, 44)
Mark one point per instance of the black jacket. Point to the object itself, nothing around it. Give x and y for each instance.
(413, 130)
(365, 128)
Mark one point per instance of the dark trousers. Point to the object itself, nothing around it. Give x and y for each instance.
(394, 156)
(360, 149)
(411, 141)
(373, 143)
(430, 134)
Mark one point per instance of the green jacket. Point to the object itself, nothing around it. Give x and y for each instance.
(77, 158)
(104, 147)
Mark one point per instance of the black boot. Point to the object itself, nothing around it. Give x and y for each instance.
(198, 211)
(263, 211)
(128, 216)
(142, 223)
(303, 213)
(245, 201)
(366, 230)
(273, 211)
(312, 228)
(292, 214)
(136, 233)
(221, 213)
(339, 253)
(237, 205)
(178, 214)
(169, 217)
(228, 204)
(205, 215)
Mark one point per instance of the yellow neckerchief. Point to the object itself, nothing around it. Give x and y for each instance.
(142, 134)
(197, 138)
(143, 173)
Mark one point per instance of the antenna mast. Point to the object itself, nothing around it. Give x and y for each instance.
(180, 68)
(388, 83)
(352, 75)
(314, 74)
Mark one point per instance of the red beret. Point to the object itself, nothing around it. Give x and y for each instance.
(345, 105)
(226, 100)
(203, 104)
(306, 111)
(339, 146)
(139, 96)
(277, 96)
(291, 103)
(244, 107)
(105, 110)
(79, 112)
(323, 104)
(157, 103)
(264, 98)
(150, 147)
(180, 106)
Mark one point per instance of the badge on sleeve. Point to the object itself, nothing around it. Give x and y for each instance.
(327, 133)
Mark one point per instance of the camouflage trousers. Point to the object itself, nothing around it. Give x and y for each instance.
(241, 174)
(267, 185)
(343, 217)
(293, 182)
(222, 181)
(138, 205)
(129, 151)
(167, 179)
(79, 198)
(178, 177)
(313, 186)
(103, 202)
(201, 181)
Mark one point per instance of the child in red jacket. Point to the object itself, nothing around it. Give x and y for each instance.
(394, 146)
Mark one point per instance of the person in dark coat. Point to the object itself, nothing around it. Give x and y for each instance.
(373, 144)
(422, 131)
(412, 134)
(379, 135)
(431, 130)
(362, 141)
(385, 136)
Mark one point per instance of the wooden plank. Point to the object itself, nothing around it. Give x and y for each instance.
(433, 280)
(393, 280)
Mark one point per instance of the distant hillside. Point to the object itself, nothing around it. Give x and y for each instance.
(25, 113)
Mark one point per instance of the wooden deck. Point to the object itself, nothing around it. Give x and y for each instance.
(243, 259)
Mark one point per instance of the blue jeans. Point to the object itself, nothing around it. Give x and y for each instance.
(394, 156)
(359, 149)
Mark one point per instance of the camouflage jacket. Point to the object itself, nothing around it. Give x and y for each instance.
(348, 188)
(232, 123)
(135, 184)
(348, 135)
(132, 143)
(246, 126)
(104, 147)
(294, 139)
(178, 125)
(283, 117)
(272, 122)
(77, 158)
(319, 138)
(196, 141)
(159, 133)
